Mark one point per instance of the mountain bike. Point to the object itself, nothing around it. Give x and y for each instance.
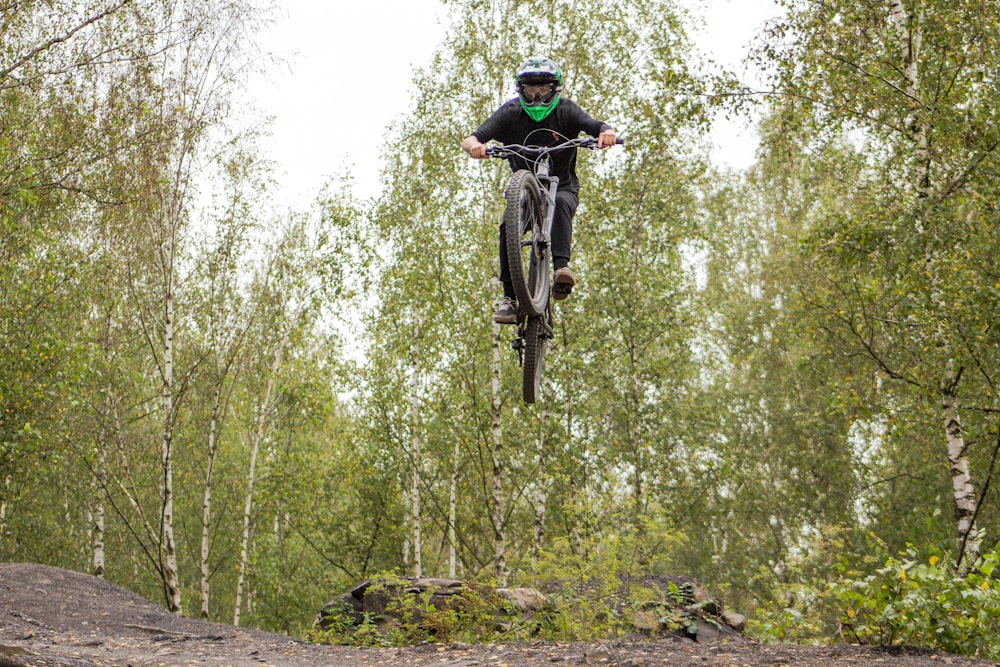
(527, 224)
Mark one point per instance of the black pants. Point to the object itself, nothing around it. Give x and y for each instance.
(562, 238)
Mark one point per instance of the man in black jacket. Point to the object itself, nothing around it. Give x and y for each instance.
(538, 116)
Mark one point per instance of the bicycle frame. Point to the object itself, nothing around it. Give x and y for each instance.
(534, 318)
(539, 161)
(549, 185)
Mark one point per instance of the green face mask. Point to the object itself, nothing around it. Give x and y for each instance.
(539, 113)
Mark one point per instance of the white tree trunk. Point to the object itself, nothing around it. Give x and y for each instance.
(453, 513)
(3, 506)
(908, 29)
(407, 533)
(257, 438)
(541, 494)
(909, 39)
(499, 527)
(206, 503)
(97, 541)
(170, 577)
(245, 540)
(415, 451)
(964, 493)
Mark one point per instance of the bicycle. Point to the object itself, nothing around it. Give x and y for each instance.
(527, 223)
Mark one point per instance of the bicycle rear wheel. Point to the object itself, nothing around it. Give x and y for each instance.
(535, 339)
(527, 254)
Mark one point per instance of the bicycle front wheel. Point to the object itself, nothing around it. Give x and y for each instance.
(535, 339)
(527, 253)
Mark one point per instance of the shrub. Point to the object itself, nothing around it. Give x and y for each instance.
(923, 602)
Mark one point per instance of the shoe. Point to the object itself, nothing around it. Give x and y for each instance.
(507, 312)
(562, 283)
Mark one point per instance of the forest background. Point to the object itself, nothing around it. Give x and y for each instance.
(775, 380)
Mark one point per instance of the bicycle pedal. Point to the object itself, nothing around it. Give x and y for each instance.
(561, 290)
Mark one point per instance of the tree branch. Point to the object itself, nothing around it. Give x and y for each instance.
(58, 40)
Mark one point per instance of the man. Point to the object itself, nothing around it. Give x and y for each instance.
(539, 116)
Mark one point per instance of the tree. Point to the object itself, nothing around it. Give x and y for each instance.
(48, 192)
(191, 99)
(900, 89)
(782, 413)
(225, 318)
(303, 276)
(472, 427)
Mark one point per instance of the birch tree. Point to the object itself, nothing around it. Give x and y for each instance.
(226, 316)
(50, 185)
(195, 82)
(304, 276)
(783, 478)
(439, 218)
(906, 87)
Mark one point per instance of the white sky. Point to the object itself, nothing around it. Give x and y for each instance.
(349, 73)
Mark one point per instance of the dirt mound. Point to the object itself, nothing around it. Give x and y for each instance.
(50, 617)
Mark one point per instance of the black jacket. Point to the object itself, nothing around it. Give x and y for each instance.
(510, 124)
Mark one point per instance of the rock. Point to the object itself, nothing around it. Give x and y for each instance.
(596, 657)
(345, 606)
(391, 600)
(376, 600)
(708, 602)
(736, 621)
(671, 606)
(439, 586)
(707, 633)
(525, 599)
(645, 622)
(358, 592)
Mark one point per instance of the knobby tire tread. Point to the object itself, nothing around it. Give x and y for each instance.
(534, 351)
(522, 214)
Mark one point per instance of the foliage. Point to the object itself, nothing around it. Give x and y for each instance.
(592, 592)
(111, 249)
(473, 614)
(596, 581)
(601, 608)
(914, 597)
(747, 380)
(917, 600)
(343, 630)
(848, 273)
(901, 249)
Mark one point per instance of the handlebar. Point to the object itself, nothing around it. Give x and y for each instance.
(506, 150)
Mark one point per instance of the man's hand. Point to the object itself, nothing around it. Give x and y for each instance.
(607, 139)
(474, 147)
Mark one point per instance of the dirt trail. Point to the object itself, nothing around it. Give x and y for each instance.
(54, 617)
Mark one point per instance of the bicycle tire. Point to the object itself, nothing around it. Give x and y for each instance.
(527, 257)
(535, 340)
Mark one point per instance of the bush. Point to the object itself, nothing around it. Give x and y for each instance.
(908, 599)
(923, 602)
(596, 584)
